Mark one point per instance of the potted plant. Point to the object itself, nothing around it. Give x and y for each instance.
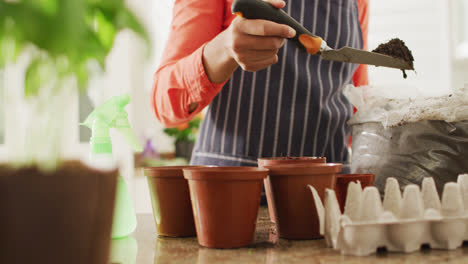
(185, 136)
(54, 210)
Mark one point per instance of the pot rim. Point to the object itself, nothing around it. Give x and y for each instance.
(304, 169)
(167, 171)
(349, 175)
(291, 159)
(354, 176)
(225, 173)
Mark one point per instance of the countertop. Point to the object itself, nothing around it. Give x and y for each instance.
(144, 246)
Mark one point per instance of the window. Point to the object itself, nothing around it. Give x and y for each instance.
(85, 107)
(418, 23)
(458, 40)
(461, 29)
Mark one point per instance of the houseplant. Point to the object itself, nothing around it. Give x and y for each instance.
(184, 136)
(55, 211)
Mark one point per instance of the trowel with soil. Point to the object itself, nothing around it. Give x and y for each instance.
(396, 48)
(258, 9)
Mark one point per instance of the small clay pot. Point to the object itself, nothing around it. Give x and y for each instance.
(170, 199)
(262, 162)
(282, 161)
(296, 214)
(225, 203)
(342, 181)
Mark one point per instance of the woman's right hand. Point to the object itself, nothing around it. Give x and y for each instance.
(254, 43)
(250, 44)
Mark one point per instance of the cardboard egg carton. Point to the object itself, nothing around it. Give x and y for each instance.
(400, 223)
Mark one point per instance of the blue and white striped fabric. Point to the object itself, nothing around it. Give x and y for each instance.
(293, 108)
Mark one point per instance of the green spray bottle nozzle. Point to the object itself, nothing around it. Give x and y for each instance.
(111, 114)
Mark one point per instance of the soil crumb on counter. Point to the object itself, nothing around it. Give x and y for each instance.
(396, 48)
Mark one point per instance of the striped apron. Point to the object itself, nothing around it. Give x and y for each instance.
(293, 108)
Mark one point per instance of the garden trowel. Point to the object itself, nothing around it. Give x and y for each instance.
(304, 39)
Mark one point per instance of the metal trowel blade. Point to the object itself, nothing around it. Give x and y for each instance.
(351, 55)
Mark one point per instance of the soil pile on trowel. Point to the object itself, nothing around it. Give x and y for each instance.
(397, 49)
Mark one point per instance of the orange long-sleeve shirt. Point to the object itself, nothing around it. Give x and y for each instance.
(181, 78)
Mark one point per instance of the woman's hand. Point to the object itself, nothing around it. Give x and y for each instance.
(254, 44)
(251, 44)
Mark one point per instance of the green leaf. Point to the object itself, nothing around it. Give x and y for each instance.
(105, 30)
(32, 78)
(29, 25)
(93, 49)
(108, 4)
(122, 18)
(49, 7)
(3, 59)
(39, 72)
(82, 76)
(109, 8)
(70, 26)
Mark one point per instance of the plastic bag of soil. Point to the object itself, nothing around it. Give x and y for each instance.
(409, 136)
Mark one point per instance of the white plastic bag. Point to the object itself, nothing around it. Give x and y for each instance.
(409, 134)
(394, 106)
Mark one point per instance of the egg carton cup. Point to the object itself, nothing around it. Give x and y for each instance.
(400, 223)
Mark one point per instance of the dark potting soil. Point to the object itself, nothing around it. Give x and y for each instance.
(397, 49)
(67, 168)
(295, 158)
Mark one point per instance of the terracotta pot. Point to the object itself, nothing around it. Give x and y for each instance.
(282, 161)
(170, 199)
(64, 216)
(296, 214)
(342, 181)
(262, 162)
(225, 203)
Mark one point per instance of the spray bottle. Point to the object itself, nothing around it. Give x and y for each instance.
(112, 114)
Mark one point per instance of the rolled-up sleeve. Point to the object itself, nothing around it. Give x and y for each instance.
(361, 76)
(181, 78)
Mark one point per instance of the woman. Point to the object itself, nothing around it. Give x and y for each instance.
(266, 97)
